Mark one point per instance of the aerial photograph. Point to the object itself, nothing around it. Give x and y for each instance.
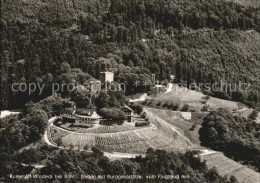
(130, 91)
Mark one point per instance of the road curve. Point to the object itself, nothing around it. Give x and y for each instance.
(111, 156)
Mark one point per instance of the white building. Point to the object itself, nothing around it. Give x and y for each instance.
(106, 76)
(81, 117)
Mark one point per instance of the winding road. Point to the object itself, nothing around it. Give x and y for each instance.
(111, 156)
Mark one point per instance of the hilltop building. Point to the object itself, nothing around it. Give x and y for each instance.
(68, 115)
(129, 112)
(88, 117)
(106, 76)
(172, 78)
(81, 117)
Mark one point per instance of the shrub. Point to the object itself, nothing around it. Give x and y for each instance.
(204, 108)
(113, 114)
(185, 108)
(175, 106)
(143, 123)
(192, 110)
(165, 104)
(192, 127)
(170, 105)
(143, 115)
(206, 97)
(150, 102)
(203, 102)
(86, 147)
(253, 115)
(233, 179)
(71, 147)
(59, 141)
(137, 108)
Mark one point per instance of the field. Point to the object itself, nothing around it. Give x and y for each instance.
(228, 167)
(126, 126)
(159, 135)
(196, 100)
(188, 127)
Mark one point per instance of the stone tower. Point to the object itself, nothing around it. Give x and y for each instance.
(106, 77)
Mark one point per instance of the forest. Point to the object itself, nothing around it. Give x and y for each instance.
(72, 41)
(66, 162)
(237, 137)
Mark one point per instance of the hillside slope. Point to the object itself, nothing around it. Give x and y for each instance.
(159, 135)
(228, 167)
(132, 39)
(196, 100)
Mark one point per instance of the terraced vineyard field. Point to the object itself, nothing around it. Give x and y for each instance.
(110, 129)
(136, 141)
(228, 167)
(159, 135)
(187, 127)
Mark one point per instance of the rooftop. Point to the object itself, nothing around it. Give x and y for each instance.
(107, 72)
(125, 106)
(68, 110)
(85, 111)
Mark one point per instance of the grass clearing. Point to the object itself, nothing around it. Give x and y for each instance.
(196, 100)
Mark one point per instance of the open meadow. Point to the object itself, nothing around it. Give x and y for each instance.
(196, 100)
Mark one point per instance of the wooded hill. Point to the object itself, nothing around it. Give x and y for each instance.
(209, 40)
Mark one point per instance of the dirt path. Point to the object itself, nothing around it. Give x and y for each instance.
(37, 166)
(142, 98)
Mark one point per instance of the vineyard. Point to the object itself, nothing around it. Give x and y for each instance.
(189, 128)
(136, 141)
(126, 138)
(109, 129)
(163, 133)
(228, 167)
